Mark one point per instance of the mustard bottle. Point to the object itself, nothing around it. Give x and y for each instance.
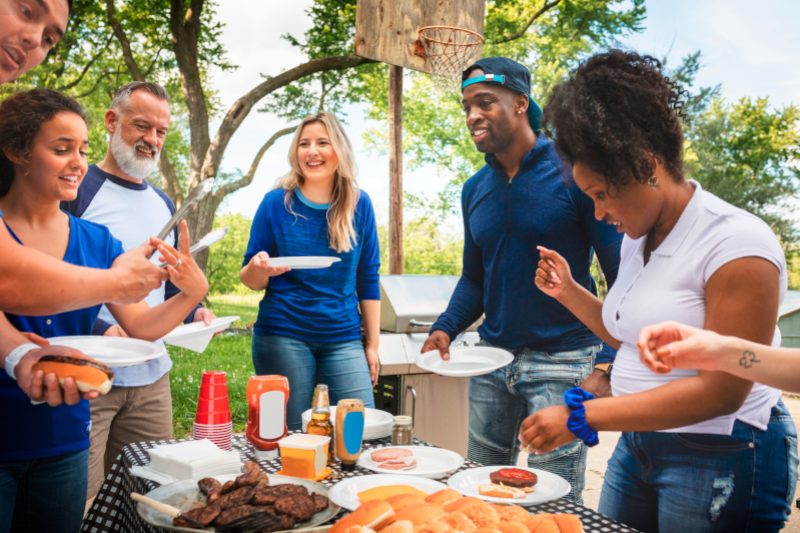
(349, 429)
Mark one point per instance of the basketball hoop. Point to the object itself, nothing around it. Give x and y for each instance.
(448, 50)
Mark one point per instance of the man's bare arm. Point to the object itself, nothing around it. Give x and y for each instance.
(32, 283)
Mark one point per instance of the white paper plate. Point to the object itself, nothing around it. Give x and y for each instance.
(465, 362)
(432, 463)
(377, 424)
(113, 351)
(345, 493)
(197, 335)
(549, 487)
(303, 262)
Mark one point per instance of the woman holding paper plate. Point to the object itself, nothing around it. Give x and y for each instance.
(309, 326)
(44, 450)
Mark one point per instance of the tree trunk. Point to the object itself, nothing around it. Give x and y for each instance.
(200, 219)
(395, 169)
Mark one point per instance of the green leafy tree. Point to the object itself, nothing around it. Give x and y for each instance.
(225, 257)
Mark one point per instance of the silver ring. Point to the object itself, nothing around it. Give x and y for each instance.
(178, 263)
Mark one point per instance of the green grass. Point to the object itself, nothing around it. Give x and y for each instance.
(244, 306)
(229, 354)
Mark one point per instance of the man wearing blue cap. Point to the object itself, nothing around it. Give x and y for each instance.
(523, 198)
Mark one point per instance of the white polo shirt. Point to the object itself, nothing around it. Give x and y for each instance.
(709, 234)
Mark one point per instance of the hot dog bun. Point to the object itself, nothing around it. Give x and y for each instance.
(374, 514)
(401, 501)
(443, 497)
(420, 514)
(500, 491)
(89, 375)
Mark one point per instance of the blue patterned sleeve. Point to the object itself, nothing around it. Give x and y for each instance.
(260, 233)
(369, 263)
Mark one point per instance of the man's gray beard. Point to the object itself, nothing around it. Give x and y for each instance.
(131, 164)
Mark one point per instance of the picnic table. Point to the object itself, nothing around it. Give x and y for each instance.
(114, 511)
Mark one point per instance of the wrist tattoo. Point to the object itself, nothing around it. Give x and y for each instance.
(748, 359)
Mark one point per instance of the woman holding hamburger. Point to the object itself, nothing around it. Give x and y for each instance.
(44, 449)
(701, 451)
(309, 321)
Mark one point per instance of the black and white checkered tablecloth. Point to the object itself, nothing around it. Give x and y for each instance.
(113, 509)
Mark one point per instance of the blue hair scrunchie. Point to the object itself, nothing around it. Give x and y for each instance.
(576, 423)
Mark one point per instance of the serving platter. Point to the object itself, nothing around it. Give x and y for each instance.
(549, 486)
(197, 335)
(113, 351)
(465, 362)
(303, 262)
(345, 493)
(186, 495)
(432, 463)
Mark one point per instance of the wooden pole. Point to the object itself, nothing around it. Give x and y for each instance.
(395, 169)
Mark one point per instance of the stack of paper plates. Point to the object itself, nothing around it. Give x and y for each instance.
(377, 424)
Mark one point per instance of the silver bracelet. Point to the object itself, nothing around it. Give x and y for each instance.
(16, 354)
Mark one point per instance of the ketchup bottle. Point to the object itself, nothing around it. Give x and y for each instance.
(266, 422)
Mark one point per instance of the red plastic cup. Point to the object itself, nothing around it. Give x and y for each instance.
(218, 417)
(213, 391)
(214, 377)
(205, 405)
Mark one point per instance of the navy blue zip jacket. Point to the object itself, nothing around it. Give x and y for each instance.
(504, 221)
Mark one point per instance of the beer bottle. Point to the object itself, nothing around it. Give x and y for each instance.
(320, 423)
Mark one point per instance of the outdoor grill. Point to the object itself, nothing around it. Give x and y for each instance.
(439, 405)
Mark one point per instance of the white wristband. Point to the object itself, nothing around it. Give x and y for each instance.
(16, 354)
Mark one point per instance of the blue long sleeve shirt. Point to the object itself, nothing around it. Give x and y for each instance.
(504, 221)
(317, 305)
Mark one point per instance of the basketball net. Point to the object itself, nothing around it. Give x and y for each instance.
(449, 50)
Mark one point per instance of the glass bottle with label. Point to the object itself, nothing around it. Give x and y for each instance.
(266, 421)
(320, 423)
(349, 432)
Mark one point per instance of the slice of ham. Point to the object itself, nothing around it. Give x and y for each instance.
(389, 454)
(403, 463)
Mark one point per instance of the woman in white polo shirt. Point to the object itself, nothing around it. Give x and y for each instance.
(702, 451)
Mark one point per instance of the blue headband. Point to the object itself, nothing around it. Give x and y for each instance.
(534, 111)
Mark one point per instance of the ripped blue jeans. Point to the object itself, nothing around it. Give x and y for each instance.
(676, 482)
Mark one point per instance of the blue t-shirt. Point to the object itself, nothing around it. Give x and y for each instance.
(318, 305)
(504, 221)
(36, 431)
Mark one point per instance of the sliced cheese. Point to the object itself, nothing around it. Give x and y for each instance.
(381, 493)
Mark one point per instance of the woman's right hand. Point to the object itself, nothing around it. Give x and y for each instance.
(260, 262)
(553, 276)
(669, 345)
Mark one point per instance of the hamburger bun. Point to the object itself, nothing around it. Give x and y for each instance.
(568, 523)
(534, 522)
(401, 526)
(457, 521)
(89, 375)
(358, 529)
(420, 514)
(443, 497)
(482, 515)
(512, 527)
(434, 526)
(401, 501)
(487, 530)
(500, 491)
(374, 514)
(511, 513)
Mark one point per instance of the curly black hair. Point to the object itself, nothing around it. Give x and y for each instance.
(21, 117)
(614, 109)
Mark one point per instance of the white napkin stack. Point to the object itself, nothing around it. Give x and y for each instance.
(193, 459)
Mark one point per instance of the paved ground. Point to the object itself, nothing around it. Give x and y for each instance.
(598, 461)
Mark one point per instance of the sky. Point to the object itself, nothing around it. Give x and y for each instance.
(751, 48)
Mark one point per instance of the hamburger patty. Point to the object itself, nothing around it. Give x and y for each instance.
(381, 456)
(514, 477)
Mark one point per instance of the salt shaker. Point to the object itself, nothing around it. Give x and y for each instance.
(403, 431)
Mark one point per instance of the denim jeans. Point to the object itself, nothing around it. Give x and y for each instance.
(501, 400)
(702, 483)
(342, 366)
(47, 494)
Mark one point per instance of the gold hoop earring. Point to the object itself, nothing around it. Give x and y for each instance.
(653, 181)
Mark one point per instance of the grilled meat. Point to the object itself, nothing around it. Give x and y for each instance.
(212, 489)
(229, 515)
(251, 474)
(287, 522)
(299, 506)
(204, 515)
(236, 498)
(320, 502)
(229, 486)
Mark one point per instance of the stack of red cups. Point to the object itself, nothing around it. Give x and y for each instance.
(213, 418)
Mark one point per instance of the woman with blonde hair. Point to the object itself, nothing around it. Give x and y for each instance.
(309, 326)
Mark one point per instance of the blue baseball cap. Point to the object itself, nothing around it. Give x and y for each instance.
(508, 73)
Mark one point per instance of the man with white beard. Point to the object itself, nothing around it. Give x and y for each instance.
(114, 193)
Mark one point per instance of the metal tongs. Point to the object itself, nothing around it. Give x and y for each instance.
(211, 237)
(197, 194)
(250, 523)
